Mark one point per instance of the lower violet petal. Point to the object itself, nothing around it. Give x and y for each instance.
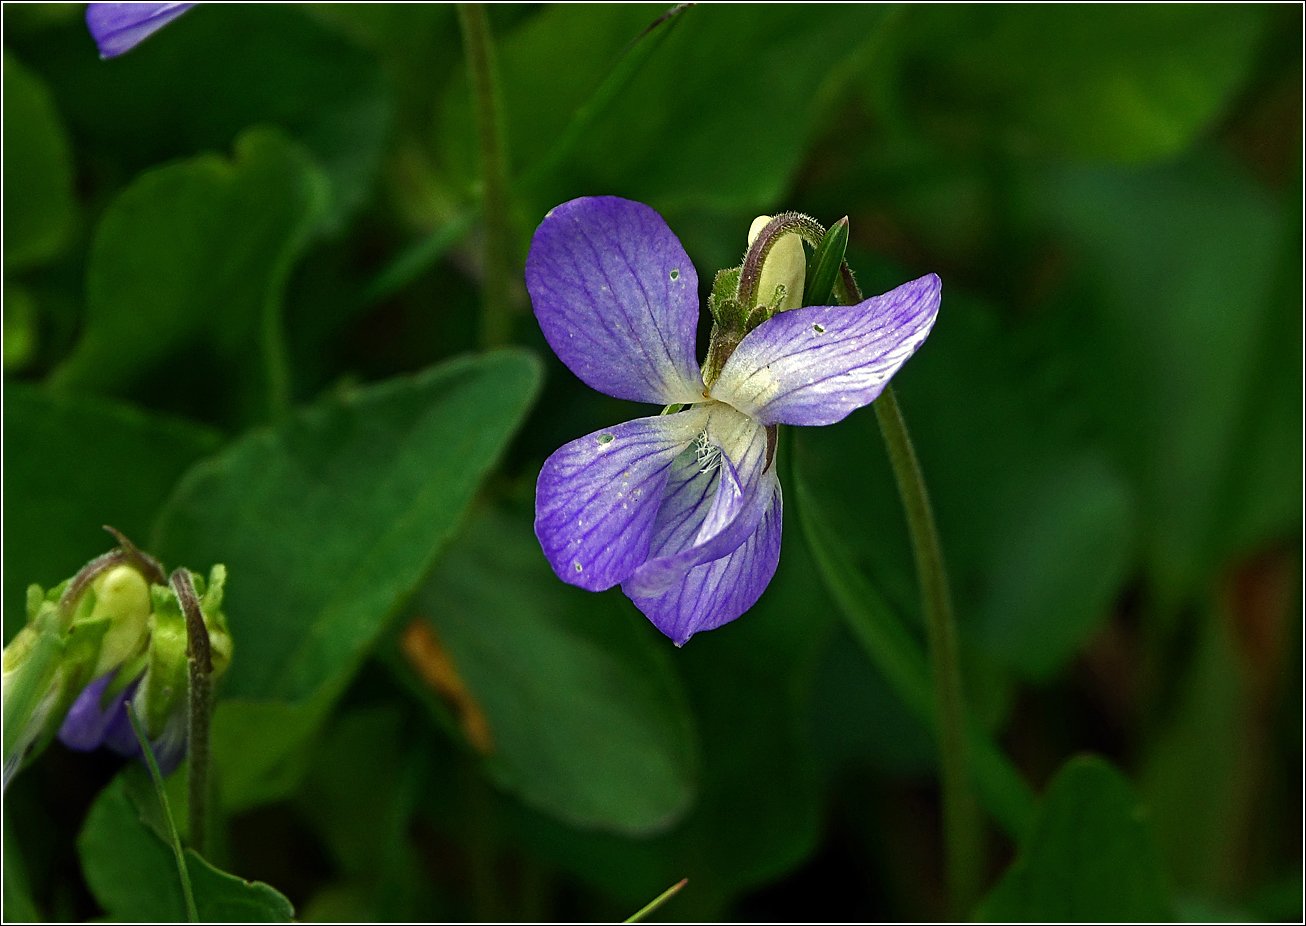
(597, 497)
(87, 724)
(706, 532)
(719, 591)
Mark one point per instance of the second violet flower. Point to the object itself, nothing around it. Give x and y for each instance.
(683, 509)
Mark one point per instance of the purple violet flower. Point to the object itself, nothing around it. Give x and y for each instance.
(89, 725)
(120, 27)
(683, 509)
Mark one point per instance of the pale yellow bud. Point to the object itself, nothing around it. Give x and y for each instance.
(786, 265)
(123, 596)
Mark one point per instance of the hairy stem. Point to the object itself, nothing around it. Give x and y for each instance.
(963, 836)
(961, 821)
(478, 46)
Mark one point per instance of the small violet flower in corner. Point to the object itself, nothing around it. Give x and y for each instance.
(120, 27)
(683, 509)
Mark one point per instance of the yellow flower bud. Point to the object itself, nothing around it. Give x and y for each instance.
(785, 265)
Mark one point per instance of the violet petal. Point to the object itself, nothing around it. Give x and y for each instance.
(690, 531)
(597, 497)
(617, 299)
(717, 592)
(87, 724)
(120, 27)
(815, 365)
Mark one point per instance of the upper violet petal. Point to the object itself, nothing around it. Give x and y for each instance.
(617, 299)
(815, 365)
(120, 27)
(689, 530)
(717, 592)
(597, 497)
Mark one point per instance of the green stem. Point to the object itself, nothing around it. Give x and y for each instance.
(478, 46)
(657, 901)
(961, 819)
(192, 914)
(200, 695)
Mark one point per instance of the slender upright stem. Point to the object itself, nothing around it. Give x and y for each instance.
(961, 819)
(657, 901)
(192, 914)
(482, 71)
(200, 662)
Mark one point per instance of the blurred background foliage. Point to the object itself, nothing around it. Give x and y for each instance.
(241, 287)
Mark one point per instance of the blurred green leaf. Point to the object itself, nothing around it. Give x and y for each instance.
(758, 812)
(1173, 328)
(214, 73)
(1037, 527)
(18, 903)
(360, 793)
(133, 874)
(1133, 82)
(328, 522)
(197, 251)
(717, 116)
(1090, 858)
(73, 464)
(586, 719)
(20, 327)
(1196, 770)
(262, 749)
(902, 661)
(38, 171)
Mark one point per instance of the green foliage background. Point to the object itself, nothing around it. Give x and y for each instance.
(241, 297)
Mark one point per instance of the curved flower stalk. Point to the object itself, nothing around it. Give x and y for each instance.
(120, 27)
(683, 509)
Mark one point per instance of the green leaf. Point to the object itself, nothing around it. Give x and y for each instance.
(1037, 526)
(719, 114)
(1091, 857)
(1123, 83)
(73, 464)
(133, 874)
(38, 171)
(130, 870)
(261, 749)
(587, 720)
(360, 793)
(224, 898)
(758, 813)
(197, 252)
(901, 660)
(19, 905)
(1197, 771)
(328, 522)
(212, 74)
(1181, 351)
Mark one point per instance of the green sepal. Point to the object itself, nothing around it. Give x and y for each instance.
(31, 663)
(164, 687)
(81, 649)
(723, 303)
(211, 598)
(823, 269)
(35, 598)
